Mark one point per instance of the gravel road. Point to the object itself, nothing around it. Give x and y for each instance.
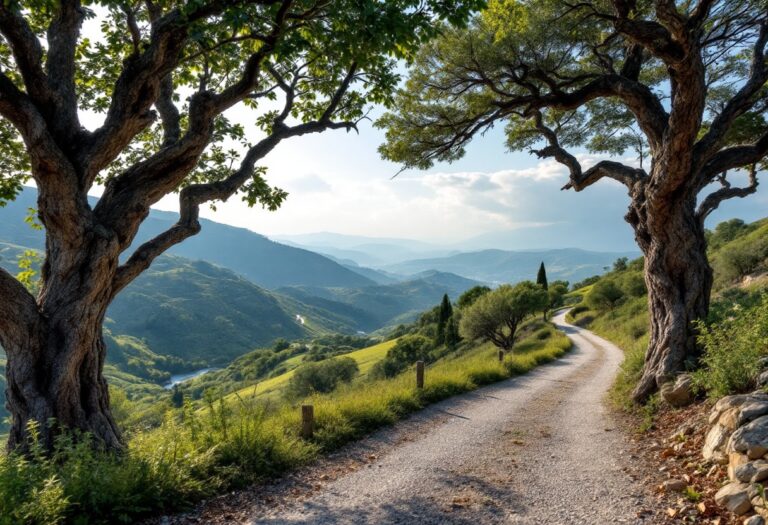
(540, 448)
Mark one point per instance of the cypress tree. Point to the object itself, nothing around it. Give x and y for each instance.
(177, 398)
(446, 311)
(541, 278)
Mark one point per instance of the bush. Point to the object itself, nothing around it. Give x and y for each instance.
(741, 257)
(605, 295)
(321, 377)
(407, 351)
(732, 351)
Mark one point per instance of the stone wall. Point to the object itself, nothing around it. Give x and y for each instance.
(738, 437)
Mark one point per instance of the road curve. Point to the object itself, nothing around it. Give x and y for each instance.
(540, 448)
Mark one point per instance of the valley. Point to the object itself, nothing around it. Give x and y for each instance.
(230, 292)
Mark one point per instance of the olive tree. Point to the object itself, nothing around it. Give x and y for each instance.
(679, 85)
(496, 315)
(162, 78)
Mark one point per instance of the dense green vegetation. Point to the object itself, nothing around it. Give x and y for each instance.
(733, 338)
(220, 443)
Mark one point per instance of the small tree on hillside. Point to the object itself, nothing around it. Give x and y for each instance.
(446, 311)
(466, 299)
(555, 294)
(497, 315)
(541, 277)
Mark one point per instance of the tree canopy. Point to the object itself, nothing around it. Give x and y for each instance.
(497, 314)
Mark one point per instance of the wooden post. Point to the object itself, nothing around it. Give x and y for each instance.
(501, 356)
(307, 421)
(419, 374)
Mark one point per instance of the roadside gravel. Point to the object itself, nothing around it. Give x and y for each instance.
(537, 449)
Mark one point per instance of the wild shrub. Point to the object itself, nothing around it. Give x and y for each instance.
(407, 351)
(321, 377)
(605, 295)
(733, 348)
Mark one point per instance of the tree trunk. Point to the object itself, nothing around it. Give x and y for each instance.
(54, 371)
(679, 281)
(57, 382)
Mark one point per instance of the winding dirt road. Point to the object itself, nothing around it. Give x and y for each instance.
(536, 449)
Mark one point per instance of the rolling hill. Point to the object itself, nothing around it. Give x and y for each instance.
(266, 263)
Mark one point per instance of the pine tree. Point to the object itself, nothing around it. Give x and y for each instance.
(446, 312)
(541, 278)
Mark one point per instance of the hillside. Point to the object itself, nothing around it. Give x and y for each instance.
(266, 263)
(497, 266)
(195, 310)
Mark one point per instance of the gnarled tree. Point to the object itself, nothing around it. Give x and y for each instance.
(682, 84)
(158, 77)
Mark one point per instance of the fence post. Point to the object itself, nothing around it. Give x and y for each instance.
(501, 356)
(307, 421)
(419, 374)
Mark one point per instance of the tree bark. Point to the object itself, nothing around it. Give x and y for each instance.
(59, 387)
(55, 368)
(679, 282)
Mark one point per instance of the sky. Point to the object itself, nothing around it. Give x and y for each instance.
(338, 183)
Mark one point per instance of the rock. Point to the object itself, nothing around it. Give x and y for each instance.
(761, 471)
(678, 393)
(734, 497)
(750, 439)
(674, 485)
(751, 410)
(754, 520)
(716, 439)
(735, 460)
(745, 472)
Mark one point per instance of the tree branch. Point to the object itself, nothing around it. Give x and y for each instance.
(733, 158)
(711, 142)
(27, 53)
(714, 199)
(63, 34)
(581, 179)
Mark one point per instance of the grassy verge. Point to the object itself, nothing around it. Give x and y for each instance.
(195, 454)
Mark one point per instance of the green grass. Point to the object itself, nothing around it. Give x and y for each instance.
(197, 454)
(365, 359)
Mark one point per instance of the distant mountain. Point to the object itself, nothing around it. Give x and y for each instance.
(498, 266)
(366, 251)
(266, 263)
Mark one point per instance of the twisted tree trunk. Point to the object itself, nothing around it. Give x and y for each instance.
(55, 347)
(679, 281)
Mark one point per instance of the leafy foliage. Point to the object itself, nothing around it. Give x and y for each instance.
(321, 377)
(733, 349)
(497, 314)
